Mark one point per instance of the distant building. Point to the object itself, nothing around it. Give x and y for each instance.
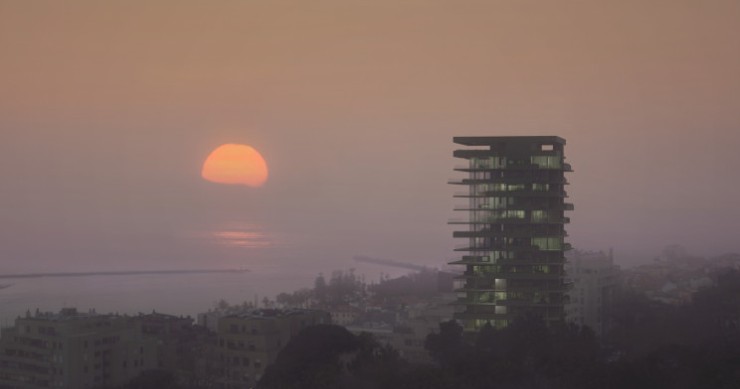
(248, 342)
(181, 347)
(345, 315)
(71, 349)
(515, 204)
(595, 279)
(409, 336)
(210, 319)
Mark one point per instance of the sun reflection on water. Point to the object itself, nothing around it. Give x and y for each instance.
(241, 235)
(245, 239)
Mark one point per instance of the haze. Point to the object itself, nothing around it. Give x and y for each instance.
(108, 110)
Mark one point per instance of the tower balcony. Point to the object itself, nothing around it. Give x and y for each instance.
(510, 275)
(492, 288)
(507, 303)
(512, 193)
(510, 220)
(491, 167)
(516, 248)
(487, 233)
(483, 261)
(518, 207)
(510, 180)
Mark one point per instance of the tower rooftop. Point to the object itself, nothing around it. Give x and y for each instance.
(493, 140)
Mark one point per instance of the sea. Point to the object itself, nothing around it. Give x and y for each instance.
(177, 294)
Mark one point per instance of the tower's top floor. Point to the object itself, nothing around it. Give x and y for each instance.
(498, 141)
(518, 147)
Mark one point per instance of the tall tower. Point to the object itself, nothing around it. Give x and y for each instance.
(514, 255)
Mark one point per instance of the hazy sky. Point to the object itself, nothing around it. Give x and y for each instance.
(108, 109)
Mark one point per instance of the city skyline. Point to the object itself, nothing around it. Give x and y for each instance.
(107, 113)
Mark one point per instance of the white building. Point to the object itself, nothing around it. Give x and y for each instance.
(594, 279)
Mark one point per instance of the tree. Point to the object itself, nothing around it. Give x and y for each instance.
(311, 359)
(446, 347)
(153, 379)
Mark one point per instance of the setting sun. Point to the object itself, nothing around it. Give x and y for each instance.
(235, 165)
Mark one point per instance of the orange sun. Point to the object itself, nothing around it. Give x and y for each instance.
(236, 165)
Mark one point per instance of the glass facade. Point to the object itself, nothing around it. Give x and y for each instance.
(514, 229)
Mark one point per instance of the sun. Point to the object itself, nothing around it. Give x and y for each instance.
(235, 164)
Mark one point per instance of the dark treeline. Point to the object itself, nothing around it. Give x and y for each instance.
(650, 345)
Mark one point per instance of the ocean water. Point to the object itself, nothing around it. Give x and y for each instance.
(190, 294)
(178, 294)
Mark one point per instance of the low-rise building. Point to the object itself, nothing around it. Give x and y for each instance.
(594, 278)
(181, 347)
(71, 349)
(210, 319)
(345, 315)
(249, 341)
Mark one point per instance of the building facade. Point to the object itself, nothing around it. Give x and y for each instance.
(595, 279)
(182, 348)
(514, 227)
(248, 342)
(71, 349)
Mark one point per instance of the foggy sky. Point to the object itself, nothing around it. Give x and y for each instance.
(108, 109)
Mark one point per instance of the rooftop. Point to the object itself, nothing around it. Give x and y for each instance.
(268, 313)
(491, 140)
(65, 314)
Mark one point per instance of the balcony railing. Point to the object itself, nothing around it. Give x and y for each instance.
(485, 233)
(512, 193)
(483, 261)
(509, 180)
(509, 220)
(510, 275)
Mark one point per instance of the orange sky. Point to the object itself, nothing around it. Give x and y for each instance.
(107, 111)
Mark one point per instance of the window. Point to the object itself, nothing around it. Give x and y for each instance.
(547, 161)
(484, 297)
(539, 216)
(480, 323)
(515, 187)
(487, 163)
(514, 214)
(500, 284)
(548, 243)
